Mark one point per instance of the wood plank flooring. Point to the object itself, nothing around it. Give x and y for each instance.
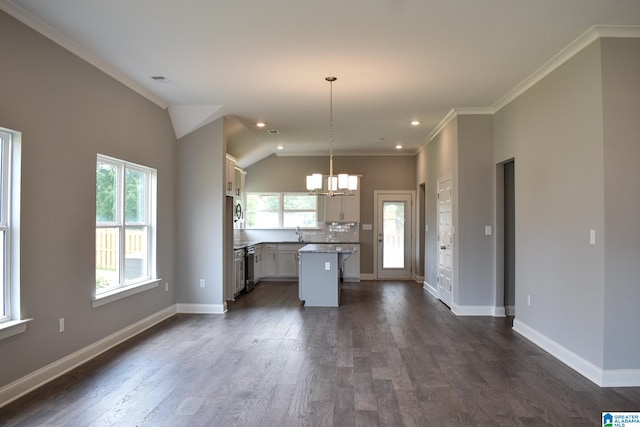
(391, 355)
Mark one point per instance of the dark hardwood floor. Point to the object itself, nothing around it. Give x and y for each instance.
(391, 355)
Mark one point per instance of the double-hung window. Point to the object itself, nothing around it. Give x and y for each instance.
(282, 210)
(11, 322)
(125, 224)
(5, 229)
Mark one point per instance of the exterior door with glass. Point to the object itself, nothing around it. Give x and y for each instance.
(393, 235)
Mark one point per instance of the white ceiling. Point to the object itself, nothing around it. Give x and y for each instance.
(396, 60)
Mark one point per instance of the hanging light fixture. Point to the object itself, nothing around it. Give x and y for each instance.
(337, 185)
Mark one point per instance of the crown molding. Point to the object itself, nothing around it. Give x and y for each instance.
(592, 34)
(57, 37)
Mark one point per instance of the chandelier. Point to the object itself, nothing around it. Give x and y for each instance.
(337, 185)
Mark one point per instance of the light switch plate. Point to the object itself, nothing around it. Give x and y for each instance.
(592, 237)
(327, 266)
(487, 230)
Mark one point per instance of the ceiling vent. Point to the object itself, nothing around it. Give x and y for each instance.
(160, 79)
(273, 132)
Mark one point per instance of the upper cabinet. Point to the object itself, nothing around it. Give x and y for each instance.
(230, 181)
(342, 208)
(234, 182)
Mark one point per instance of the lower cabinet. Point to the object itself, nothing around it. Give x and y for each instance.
(258, 264)
(280, 261)
(270, 261)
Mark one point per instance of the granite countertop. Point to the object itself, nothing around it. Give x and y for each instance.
(345, 248)
(240, 245)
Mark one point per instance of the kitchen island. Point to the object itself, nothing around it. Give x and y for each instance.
(319, 280)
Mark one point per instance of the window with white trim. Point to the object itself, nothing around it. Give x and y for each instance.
(125, 224)
(281, 210)
(9, 218)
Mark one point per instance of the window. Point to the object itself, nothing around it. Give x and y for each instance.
(281, 210)
(125, 224)
(10, 321)
(5, 225)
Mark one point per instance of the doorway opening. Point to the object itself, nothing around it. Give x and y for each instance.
(394, 225)
(505, 239)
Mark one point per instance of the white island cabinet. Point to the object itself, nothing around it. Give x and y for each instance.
(319, 282)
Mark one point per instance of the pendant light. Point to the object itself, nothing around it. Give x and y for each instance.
(337, 185)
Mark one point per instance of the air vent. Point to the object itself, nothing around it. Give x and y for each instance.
(273, 132)
(160, 79)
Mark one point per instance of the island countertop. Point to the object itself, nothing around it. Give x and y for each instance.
(327, 247)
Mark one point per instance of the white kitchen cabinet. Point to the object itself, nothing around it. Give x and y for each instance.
(270, 261)
(342, 208)
(230, 173)
(288, 261)
(258, 269)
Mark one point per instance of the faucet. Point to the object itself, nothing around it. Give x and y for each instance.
(299, 233)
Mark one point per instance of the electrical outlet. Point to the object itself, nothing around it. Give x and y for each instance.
(61, 324)
(202, 283)
(166, 286)
(327, 266)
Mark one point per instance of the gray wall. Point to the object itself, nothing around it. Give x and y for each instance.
(554, 131)
(475, 207)
(200, 218)
(621, 90)
(284, 173)
(440, 159)
(68, 111)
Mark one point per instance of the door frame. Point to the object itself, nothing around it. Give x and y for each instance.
(442, 179)
(411, 232)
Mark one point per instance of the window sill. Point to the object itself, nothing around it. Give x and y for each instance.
(13, 327)
(124, 292)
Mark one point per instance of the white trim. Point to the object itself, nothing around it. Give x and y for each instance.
(433, 291)
(574, 361)
(123, 292)
(48, 373)
(367, 276)
(472, 310)
(511, 310)
(13, 327)
(499, 311)
(418, 279)
(202, 308)
(620, 378)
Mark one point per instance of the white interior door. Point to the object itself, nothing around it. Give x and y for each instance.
(445, 241)
(394, 235)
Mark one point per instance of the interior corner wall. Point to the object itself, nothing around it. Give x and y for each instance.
(554, 131)
(476, 264)
(68, 111)
(621, 101)
(441, 160)
(200, 218)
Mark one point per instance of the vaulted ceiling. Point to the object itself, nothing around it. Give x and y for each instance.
(396, 61)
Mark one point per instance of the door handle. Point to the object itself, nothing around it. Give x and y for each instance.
(443, 247)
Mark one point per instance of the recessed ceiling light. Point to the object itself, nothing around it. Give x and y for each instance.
(280, 147)
(260, 124)
(415, 123)
(398, 146)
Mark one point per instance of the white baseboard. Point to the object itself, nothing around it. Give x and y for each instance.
(472, 310)
(499, 311)
(30, 382)
(433, 291)
(419, 279)
(601, 377)
(367, 277)
(202, 308)
(511, 310)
